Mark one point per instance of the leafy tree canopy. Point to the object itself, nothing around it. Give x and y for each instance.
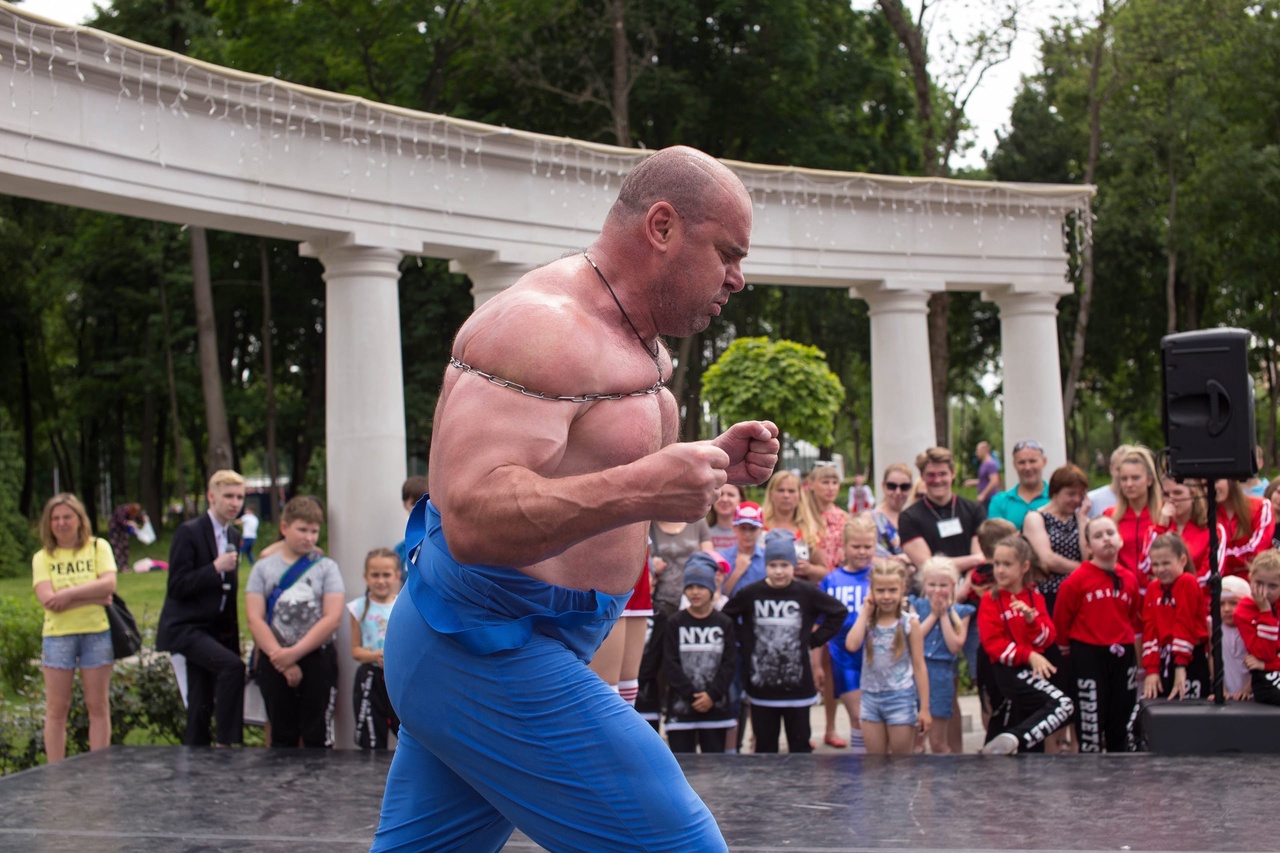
(783, 381)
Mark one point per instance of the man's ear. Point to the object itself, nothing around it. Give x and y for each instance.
(662, 226)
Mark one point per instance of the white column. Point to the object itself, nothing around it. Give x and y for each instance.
(489, 278)
(1032, 375)
(901, 384)
(366, 459)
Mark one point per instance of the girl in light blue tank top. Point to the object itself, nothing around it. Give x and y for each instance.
(895, 684)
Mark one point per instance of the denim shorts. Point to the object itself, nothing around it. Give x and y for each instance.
(942, 688)
(893, 708)
(83, 651)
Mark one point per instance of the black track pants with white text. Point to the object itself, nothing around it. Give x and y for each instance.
(1031, 708)
(1107, 695)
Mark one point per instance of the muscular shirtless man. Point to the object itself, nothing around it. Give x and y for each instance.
(535, 528)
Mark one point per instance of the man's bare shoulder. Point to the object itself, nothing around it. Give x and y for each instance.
(544, 332)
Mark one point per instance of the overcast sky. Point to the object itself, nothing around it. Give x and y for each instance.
(988, 110)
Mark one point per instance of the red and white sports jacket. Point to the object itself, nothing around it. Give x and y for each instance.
(1135, 533)
(1173, 617)
(1005, 634)
(1240, 554)
(1196, 538)
(1097, 607)
(1260, 632)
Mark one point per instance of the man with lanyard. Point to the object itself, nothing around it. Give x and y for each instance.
(941, 522)
(555, 444)
(1032, 492)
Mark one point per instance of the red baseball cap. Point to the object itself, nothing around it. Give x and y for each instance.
(748, 512)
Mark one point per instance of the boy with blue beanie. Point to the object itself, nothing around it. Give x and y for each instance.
(777, 634)
(699, 658)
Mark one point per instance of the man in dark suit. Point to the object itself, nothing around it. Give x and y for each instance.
(199, 618)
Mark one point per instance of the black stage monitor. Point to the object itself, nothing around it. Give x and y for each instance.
(1208, 404)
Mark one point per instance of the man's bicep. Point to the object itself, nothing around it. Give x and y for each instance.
(487, 428)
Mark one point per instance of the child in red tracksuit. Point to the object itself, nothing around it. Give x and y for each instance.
(1098, 606)
(1258, 620)
(1250, 525)
(1014, 625)
(1174, 624)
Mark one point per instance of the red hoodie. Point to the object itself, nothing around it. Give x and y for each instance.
(1097, 607)
(1134, 531)
(1239, 554)
(1175, 618)
(1005, 634)
(1260, 632)
(1196, 538)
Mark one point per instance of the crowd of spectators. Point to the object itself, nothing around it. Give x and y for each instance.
(1043, 590)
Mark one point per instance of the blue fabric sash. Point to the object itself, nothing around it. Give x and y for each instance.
(289, 578)
(490, 609)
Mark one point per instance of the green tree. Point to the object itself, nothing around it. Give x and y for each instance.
(782, 381)
(1171, 107)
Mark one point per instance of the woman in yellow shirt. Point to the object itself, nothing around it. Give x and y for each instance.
(74, 575)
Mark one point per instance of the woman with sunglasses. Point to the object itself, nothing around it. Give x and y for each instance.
(896, 492)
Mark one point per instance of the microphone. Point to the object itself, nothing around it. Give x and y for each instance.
(226, 584)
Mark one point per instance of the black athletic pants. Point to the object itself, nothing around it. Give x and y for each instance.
(301, 715)
(1106, 690)
(1031, 708)
(1199, 684)
(1266, 687)
(689, 740)
(767, 723)
(375, 718)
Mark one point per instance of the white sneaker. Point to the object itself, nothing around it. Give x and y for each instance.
(1002, 744)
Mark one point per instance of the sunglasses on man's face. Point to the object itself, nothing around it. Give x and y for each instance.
(898, 487)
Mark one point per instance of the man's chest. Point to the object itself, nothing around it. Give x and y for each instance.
(618, 432)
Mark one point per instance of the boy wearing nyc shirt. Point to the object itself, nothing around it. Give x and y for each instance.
(700, 651)
(778, 616)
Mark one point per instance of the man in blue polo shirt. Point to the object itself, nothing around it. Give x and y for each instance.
(1032, 492)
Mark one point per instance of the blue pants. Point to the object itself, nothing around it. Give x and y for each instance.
(502, 724)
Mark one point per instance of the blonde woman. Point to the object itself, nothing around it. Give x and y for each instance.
(74, 575)
(785, 509)
(821, 488)
(1137, 509)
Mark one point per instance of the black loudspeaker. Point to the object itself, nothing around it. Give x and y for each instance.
(1199, 727)
(1208, 404)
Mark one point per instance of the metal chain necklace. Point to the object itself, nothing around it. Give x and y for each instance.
(542, 395)
(653, 354)
(577, 398)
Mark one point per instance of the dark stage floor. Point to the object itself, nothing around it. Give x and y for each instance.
(173, 799)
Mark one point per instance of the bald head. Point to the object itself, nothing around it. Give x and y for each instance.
(689, 180)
